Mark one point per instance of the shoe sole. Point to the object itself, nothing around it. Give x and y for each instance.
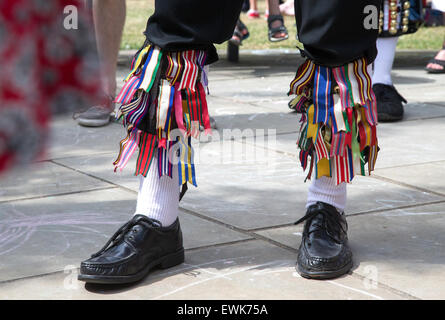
(93, 122)
(322, 275)
(272, 39)
(385, 117)
(165, 262)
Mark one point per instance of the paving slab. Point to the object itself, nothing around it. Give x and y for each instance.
(70, 139)
(251, 270)
(45, 179)
(401, 143)
(251, 118)
(248, 194)
(101, 166)
(262, 89)
(416, 85)
(418, 111)
(415, 77)
(430, 176)
(251, 184)
(258, 194)
(45, 235)
(402, 249)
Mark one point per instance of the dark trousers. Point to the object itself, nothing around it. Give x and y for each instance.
(332, 31)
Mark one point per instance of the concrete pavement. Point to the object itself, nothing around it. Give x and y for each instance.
(238, 224)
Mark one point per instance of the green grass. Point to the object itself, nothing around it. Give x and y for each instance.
(138, 12)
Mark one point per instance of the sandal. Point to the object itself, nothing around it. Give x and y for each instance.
(440, 63)
(273, 31)
(241, 33)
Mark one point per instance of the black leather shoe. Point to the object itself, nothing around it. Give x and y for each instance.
(389, 103)
(324, 252)
(133, 251)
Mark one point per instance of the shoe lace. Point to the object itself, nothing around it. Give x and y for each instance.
(330, 223)
(120, 233)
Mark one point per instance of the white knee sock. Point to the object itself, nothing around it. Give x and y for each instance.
(383, 62)
(325, 190)
(158, 198)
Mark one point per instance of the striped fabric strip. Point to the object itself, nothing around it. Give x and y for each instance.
(178, 108)
(147, 148)
(174, 67)
(138, 61)
(186, 166)
(186, 116)
(298, 104)
(320, 147)
(165, 167)
(354, 82)
(355, 145)
(372, 158)
(338, 144)
(323, 99)
(135, 115)
(201, 59)
(127, 148)
(191, 70)
(342, 168)
(312, 127)
(340, 76)
(357, 165)
(205, 118)
(194, 104)
(124, 109)
(323, 168)
(303, 141)
(371, 110)
(336, 115)
(170, 111)
(150, 69)
(165, 103)
(303, 78)
(128, 90)
(303, 158)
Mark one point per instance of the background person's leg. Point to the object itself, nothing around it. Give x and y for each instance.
(389, 101)
(339, 49)
(109, 21)
(386, 48)
(277, 30)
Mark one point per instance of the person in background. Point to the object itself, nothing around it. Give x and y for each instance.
(48, 67)
(164, 102)
(275, 23)
(109, 21)
(253, 13)
(437, 64)
(398, 17)
(277, 30)
(287, 8)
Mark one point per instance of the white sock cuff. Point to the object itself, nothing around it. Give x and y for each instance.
(158, 197)
(386, 48)
(326, 190)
